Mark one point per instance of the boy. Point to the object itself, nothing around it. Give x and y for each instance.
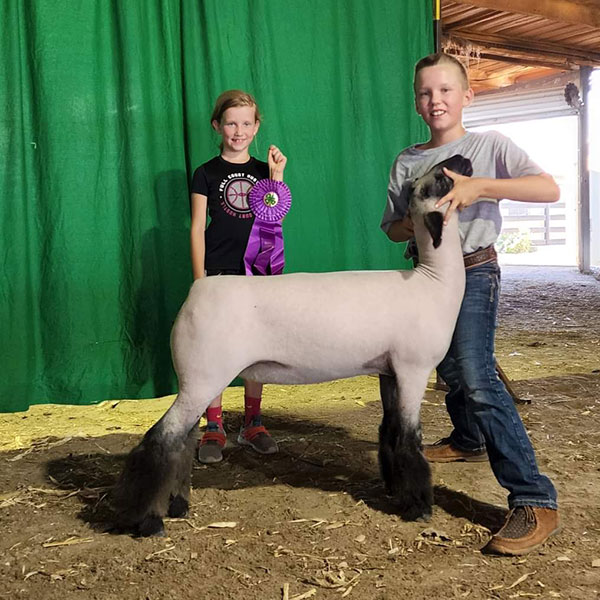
(482, 412)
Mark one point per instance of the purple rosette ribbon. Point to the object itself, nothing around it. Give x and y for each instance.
(269, 202)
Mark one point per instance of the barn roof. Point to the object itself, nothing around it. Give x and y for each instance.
(513, 41)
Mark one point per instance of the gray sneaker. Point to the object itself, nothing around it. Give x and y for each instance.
(257, 437)
(210, 447)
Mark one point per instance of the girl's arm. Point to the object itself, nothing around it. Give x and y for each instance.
(199, 204)
(529, 188)
(277, 161)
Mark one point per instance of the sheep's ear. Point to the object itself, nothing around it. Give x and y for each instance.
(434, 221)
(408, 188)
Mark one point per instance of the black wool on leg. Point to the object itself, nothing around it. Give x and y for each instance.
(404, 469)
(142, 494)
(179, 502)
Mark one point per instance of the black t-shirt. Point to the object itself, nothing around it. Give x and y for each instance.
(227, 185)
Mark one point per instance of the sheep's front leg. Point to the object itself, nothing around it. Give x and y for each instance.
(179, 501)
(404, 469)
(156, 478)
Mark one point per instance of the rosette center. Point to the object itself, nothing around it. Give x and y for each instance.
(271, 199)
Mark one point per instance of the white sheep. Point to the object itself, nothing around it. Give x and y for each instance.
(309, 328)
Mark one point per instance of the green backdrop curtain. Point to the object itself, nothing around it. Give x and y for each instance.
(105, 114)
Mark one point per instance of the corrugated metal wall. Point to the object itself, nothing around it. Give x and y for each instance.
(522, 104)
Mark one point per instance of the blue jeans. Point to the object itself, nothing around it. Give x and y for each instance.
(481, 409)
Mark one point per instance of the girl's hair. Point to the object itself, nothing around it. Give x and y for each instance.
(443, 59)
(232, 98)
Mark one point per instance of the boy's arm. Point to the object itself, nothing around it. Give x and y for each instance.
(401, 230)
(197, 246)
(529, 188)
(396, 223)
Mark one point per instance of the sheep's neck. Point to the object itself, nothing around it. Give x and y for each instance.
(445, 261)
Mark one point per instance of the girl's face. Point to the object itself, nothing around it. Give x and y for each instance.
(440, 98)
(237, 128)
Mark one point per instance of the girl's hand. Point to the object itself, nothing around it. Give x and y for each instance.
(277, 161)
(465, 191)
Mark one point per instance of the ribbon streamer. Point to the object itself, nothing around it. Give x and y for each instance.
(269, 201)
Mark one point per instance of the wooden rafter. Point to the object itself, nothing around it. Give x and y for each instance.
(462, 46)
(524, 47)
(531, 62)
(576, 12)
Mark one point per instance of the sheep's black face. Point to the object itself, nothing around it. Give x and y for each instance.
(432, 186)
(435, 184)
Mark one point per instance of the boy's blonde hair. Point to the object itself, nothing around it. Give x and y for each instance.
(232, 98)
(439, 58)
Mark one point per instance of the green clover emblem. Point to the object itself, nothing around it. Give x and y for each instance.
(271, 199)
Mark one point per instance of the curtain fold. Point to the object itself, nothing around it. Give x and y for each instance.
(105, 114)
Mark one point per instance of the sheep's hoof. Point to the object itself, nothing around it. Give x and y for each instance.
(151, 526)
(424, 518)
(178, 507)
(415, 513)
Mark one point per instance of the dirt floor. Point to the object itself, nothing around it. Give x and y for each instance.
(313, 521)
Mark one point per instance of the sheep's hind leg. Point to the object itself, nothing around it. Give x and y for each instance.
(404, 469)
(155, 480)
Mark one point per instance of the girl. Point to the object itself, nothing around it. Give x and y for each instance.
(222, 185)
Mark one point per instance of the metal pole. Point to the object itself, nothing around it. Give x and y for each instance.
(583, 213)
(437, 25)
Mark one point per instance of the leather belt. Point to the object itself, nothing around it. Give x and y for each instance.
(480, 257)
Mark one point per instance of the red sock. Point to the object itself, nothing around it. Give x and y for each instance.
(215, 415)
(251, 409)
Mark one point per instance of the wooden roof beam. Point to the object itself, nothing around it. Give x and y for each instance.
(576, 12)
(532, 62)
(476, 52)
(461, 46)
(580, 56)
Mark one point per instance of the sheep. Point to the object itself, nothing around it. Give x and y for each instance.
(308, 328)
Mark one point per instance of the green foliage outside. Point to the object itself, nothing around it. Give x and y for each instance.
(515, 243)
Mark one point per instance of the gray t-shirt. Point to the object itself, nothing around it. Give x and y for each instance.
(492, 155)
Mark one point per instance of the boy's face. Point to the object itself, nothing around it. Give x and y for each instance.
(440, 97)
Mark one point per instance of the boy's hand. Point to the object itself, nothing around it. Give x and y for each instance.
(407, 227)
(277, 161)
(465, 191)
(401, 230)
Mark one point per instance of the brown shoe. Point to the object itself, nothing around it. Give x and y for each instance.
(443, 452)
(526, 528)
